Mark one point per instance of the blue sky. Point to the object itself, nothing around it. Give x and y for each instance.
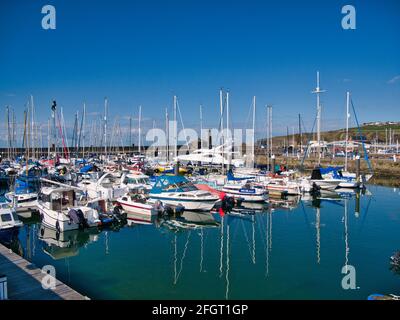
(143, 52)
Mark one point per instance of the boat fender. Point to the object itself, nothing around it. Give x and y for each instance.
(117, 210)
(238, 201)
(179, 209)
(168, 211)
(229, 203)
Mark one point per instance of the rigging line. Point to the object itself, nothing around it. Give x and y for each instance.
(227, 263)
(221, 248)
(361, 138)
(201, 249)
(267, 250)
(183, 126)
(347, 249)
(62, 136)
(308, 144)
(306, 220)
(183, 255)
(254, 243)
(365, 214)
(260, 223)
(175, 258)
(247, 238)
(64, 130)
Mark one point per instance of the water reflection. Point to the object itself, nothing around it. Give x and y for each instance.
(59, 245)
(227, 250)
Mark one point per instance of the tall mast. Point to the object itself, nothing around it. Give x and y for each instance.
(83, 129)
(48, 138)
(253, 139)
(175, 130)
(318, 91)
(28, 135)
(227, 131)
(32, 128)
(140, 130)
(269, 132)
(53, 114)
(8, 132)
(300, 134)
(201, 127)
(130, 131)
(222, 127)
(105, 127)
(167, 131)
(347, 127)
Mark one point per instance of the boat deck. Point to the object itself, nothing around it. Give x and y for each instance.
(24, 280)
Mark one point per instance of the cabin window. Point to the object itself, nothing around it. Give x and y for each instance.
(124, 198)
(15, 217)
(6, 217)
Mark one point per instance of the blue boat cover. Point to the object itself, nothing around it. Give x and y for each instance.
(166, 183)
(231, 177)
(334, 170)
(86, 168)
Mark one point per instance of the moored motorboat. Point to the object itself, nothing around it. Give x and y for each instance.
(177, 190)
(59, 209)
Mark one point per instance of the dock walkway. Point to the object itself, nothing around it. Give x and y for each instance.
(24, 280)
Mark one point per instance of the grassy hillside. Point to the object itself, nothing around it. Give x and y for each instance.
(370, 132)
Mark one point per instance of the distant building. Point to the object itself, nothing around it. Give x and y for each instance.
(381, 123)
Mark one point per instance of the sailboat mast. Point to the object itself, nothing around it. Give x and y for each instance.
(201, 127)
(253, 139)
(167, 134)
(32, 128)
(105, 127)
(347, 127)
(140, 130)
(222, 128)
(48, 138)
(83, 130)
(318, 91)
(130, 131)
(318, 114)
(175, 130)
(227, 131)
(300, 135)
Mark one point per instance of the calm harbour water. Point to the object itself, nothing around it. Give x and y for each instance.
(296, 252)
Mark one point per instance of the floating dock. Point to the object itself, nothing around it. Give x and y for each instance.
(24, 280)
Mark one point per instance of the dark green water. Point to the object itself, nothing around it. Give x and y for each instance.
(276, 254)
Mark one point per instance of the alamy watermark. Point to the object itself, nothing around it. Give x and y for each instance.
(49, 280)
(349, 280)
(349, 20)
(49, 20)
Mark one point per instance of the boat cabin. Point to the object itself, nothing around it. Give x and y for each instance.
(8, 217)
(57, 199)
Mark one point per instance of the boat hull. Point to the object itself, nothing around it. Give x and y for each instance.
(60, 221)
(189, 204)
